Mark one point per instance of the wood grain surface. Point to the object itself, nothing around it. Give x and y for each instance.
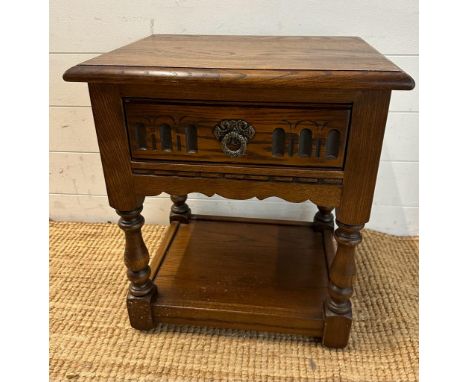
(112, 138)
(287, 189)
(144, 120)
(246, 60)
(268, 276)
(249, 52)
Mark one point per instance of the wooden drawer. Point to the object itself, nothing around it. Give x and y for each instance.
(290, 135)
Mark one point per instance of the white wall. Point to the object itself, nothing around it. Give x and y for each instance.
(83, 29)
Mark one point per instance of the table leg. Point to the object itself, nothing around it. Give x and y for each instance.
(338, 314)
(180, 211)
(136, 259)
(324, 217)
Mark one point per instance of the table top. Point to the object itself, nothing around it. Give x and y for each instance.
(248, 52)
(267, 57)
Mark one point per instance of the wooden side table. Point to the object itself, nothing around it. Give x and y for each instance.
(301, 118)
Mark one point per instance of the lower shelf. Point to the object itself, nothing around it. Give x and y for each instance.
(243, 274)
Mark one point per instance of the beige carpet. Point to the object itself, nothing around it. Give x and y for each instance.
(91, 340)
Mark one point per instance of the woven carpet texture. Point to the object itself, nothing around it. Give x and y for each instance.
(91, 339)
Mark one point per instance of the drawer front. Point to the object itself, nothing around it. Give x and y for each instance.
(307, 136)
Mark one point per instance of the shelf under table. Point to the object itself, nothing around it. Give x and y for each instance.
(243, 274)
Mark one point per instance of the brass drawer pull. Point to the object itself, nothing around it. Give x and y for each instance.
(234, 134)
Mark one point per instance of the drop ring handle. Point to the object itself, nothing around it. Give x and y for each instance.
(234, 135)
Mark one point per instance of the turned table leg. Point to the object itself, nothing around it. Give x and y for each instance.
(180, 211)
(136, 259)
(324, 217)
(338, 315)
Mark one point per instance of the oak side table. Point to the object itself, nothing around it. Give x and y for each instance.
(300, 118)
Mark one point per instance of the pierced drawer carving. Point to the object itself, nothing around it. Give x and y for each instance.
(304, 135)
